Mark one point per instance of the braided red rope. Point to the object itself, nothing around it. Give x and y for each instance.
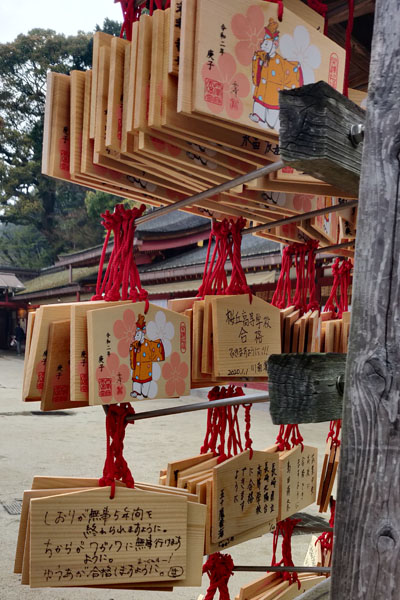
(282, 295)
(349, 30)
(238, 283)
(288, 437)
(214, 276)
(326, 538)
(115, 466)
(285, 529)
(341, 280)
(305, 294)
(121, 280)
(334, 432)
(219, 568)
(223, 436)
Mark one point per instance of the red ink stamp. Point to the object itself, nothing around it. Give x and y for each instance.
(333, 70)
(105, 387)
(83, 383)
(183, 338)
(213, 91)
(60, 393)
(40, 380)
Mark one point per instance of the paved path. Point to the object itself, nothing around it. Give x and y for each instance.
(73, 444)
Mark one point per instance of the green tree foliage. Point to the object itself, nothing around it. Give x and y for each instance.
(54, 210)
(98, 202)
(23, 246)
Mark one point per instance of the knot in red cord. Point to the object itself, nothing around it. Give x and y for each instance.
(115, 466)
(285, 529)
(334, 432)
(326, 538)
(289, 434)
(223, 418)
(238, 284)
(219, 568)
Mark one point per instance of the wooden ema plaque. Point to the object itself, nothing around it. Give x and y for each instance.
(36, 367)
(52, 486)
(244, 335)
(298, 480)
(244, 56)
(133, 355)
(85, 538)
(245, 494)
(56, 389)
(79, 347)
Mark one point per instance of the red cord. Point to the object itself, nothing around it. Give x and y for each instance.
(326, 538)
(214, 275)
(223, 436)
(122, 279)
(115, 466)
(280, 7)
(334, 432)
(341, 280)
(285, 529)
(219, 568)
(238, 284)
(288, 437)
(321, 9)
(349, 31)
(283, 287)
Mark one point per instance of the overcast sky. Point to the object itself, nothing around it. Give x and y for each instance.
(65, 16)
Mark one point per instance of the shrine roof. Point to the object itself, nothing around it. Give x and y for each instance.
(173, 223)
(251, 246)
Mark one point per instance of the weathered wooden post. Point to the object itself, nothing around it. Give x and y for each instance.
(366, 563)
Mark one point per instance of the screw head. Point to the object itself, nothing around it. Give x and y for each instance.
(357, 134)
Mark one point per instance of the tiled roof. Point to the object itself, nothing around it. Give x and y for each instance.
(173, 222)
(251, 246)
(59, 279)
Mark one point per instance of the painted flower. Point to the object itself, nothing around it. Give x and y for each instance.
(224, 87)
(249, 29)
(163, 146)
(161, 329)
(303, 202)
(142, 184)
(200, 156)
(124, 329)
(297, 47)
(175, 373)
(111, 378)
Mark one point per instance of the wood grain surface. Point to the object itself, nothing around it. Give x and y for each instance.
(366, 562)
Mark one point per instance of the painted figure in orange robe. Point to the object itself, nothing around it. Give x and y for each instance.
(143, 353)
(271, 73)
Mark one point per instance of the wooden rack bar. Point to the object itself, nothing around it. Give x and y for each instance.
(301, 217)
(176, 410)
(218, 189)
(263, 569)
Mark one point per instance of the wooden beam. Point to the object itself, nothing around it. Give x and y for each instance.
(303, 387)
(360, 56)
(315, 123)
(338, 12)
(366, 561)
